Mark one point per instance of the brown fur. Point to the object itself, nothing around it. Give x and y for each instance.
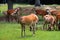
(40, 12)
(10, 14)
(49, 19)
(30, 20)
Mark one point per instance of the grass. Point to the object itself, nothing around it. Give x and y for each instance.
(12, 31)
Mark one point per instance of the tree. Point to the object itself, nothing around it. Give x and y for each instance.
(10, 4)
(37, 3)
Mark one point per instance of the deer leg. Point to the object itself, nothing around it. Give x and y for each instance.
(44, 25)
(34, 25)
(30, 28)
(22, 30)
(54, 26)
(10, 18)
(33, 30)
(7, 18)
(16, 19)
(56, 23)
(48, 27)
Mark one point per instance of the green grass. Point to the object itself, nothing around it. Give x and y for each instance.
(3, 7)
(12, 31)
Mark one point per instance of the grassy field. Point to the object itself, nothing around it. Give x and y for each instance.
(12, 31)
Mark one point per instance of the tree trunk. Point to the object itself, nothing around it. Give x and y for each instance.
(10, 4)
(37, 3)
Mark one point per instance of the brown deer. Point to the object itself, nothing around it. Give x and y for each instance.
(49, 19)
(9, 14)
